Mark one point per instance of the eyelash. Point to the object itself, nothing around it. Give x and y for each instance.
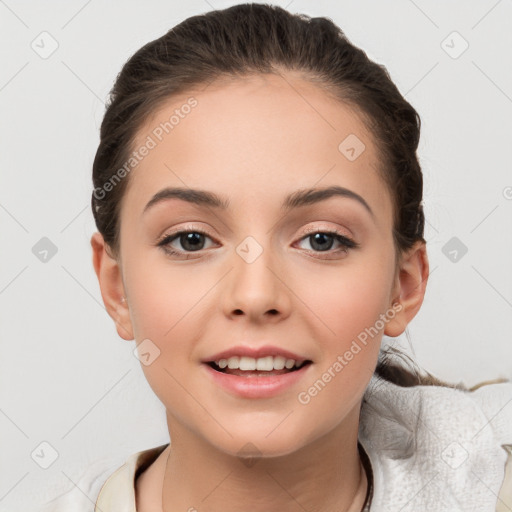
(346, 243)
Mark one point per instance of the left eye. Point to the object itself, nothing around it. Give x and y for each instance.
(322, 241)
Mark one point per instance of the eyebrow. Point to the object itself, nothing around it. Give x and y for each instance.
(303, 197)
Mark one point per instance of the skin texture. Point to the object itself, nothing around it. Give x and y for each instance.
(254, 142)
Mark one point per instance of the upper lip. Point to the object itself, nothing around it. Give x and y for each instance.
(243, 350)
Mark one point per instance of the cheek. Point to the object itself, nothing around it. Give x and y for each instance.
(163, 299)
(347, 300)
(165, 312)
(349, 332)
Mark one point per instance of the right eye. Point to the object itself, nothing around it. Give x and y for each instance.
(190, 241)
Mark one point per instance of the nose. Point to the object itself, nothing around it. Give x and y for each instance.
(257, 287)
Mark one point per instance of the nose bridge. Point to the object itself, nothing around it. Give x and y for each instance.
(256, 287)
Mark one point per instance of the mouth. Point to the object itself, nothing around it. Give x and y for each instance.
(261, 377)
(262, 367)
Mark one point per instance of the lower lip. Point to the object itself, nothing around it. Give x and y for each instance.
(256, 387)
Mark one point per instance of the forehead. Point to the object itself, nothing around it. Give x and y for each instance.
(261, 134)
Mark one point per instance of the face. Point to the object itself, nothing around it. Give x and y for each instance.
(259, 273)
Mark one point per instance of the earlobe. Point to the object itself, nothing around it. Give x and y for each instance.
(409, 288)
(111, 285)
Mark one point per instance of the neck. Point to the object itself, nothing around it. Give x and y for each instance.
(324, 476)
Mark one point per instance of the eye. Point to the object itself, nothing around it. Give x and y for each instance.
(193, 240)
(323, 241)
(190, 241)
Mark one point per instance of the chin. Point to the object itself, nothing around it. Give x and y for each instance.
(253, 443)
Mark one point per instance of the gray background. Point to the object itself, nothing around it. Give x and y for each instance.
(66, 378)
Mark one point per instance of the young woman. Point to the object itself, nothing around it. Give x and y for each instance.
(258, 201)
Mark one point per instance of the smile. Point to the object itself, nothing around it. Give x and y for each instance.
(262, 366)
(248, 377)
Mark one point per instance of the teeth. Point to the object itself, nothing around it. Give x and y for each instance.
(279, 362)
(233, 362)
(247, 363)
(266, 364)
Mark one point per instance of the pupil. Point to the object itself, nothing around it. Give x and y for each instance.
(321, 237)
(191, 241)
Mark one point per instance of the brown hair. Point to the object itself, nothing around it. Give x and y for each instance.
(259, 38)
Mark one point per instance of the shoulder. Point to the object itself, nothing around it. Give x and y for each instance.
(459, 438)
(81, 497)
(495, 399)
(486, 406)
(84, 490)
(106, 485)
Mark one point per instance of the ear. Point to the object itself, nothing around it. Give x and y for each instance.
(409, 288)
(111, 284)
